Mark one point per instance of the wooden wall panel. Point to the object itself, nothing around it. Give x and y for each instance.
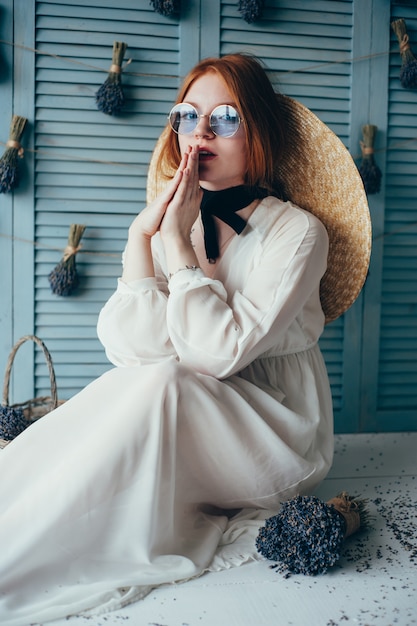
(90, 167)
(339, 57)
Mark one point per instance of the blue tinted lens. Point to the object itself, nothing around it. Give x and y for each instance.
(183, 118)
(224, 120)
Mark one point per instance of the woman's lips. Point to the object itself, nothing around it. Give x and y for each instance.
(206, 155)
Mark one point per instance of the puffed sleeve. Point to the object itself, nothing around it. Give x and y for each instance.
(217, 335)
(132, 324)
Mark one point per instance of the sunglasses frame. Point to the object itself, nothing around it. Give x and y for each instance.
(200, 115)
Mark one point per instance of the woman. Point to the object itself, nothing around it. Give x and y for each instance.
(219, 400)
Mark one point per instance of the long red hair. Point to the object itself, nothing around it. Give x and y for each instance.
(256, 101)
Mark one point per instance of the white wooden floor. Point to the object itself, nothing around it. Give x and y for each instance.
(374, 584)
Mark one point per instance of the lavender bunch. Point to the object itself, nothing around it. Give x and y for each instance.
(166, 7)
(370, 173)
(64, 277)
(251, 10)
(110, 97)
(408, 72)
(12, 422)
(9, 168)
(307, 535)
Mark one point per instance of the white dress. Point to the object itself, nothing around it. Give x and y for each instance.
(219, 401)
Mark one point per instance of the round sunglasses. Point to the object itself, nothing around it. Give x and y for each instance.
(224, 120)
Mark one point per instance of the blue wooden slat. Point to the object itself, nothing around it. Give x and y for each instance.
(23, 215)
(397, 364)
(74, 206)
(48, 12)
(6, 200)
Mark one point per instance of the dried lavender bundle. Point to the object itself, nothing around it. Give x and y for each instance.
(251, 10)
(64, 277)
(408, 72)
(307, 535)
(166, 7)
(110, 97)
(9, 168)
(12, 422)
(370, 173)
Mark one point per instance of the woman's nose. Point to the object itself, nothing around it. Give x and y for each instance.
(203, 128)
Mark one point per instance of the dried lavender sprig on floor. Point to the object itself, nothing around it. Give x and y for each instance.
(9, 168)
(306, 536)
(110, 97)
(64, 277)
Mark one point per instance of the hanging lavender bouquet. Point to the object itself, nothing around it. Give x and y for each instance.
(307, 535)
(251, 10)
(110, 97)
(408, 72)
(166, 7)
(64, 277)
(9, 162)
(370, 173)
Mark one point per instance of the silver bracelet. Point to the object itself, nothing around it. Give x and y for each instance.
(180, 269)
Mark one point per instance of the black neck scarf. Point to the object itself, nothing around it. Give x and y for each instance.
(224, 204)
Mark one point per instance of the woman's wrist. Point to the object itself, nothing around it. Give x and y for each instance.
(180, 255)
(137, 236)
(180, 269)
(176, 241)
(138, 262)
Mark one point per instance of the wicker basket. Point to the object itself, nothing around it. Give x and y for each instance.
(37, 407)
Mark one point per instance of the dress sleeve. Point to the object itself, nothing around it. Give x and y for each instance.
(219, 336)
(132, 324)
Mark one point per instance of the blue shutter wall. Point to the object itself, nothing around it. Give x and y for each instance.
(389, 363)
(90, 167)
(397, 368)
(299, 43)
(338, 57)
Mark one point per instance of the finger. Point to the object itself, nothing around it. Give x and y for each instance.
(196, 162)
(185, 191)
(192, 165)
(194, 172)
(174, 183)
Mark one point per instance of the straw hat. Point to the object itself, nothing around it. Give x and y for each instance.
(320, 175)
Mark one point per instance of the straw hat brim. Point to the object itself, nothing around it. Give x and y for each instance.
(320, 176)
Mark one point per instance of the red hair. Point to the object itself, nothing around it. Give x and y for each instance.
(256, 101)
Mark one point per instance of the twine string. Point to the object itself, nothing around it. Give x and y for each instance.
(116, 255)
(50, 153)
(43, 246)
(148, 74)
(366, 150)
(350, 511)
(82, 63)
(117, 69)
(70, 251)
(404, 44)
(11, 143)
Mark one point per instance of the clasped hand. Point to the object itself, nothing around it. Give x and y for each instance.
(175, 210)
